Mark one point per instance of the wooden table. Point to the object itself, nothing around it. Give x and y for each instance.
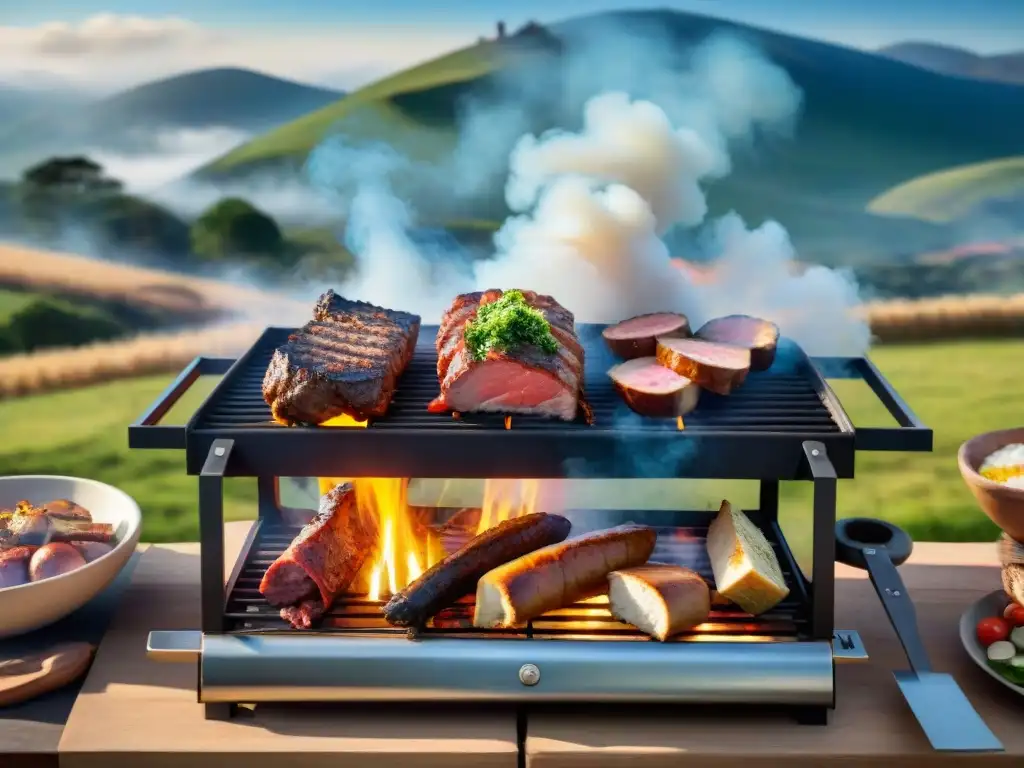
(134, 712)
(30, 732)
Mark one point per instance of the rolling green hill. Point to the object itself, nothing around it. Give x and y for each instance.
(951, 194)
(868, 124)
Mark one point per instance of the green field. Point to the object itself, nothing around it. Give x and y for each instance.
(84, 433)
(949, 195)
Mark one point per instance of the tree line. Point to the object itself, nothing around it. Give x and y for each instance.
(65, 195)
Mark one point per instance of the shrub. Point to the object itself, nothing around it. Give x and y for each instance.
(50, 323)
(235, 228)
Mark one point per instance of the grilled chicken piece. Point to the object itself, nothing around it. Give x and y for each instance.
(27, 525)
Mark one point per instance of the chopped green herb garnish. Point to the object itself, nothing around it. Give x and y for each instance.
(507, 324)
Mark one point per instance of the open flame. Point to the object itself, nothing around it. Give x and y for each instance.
(343, 421)
(407, 546)
(679, 423)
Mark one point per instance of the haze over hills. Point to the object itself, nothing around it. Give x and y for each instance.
(959, 62)
(868, 122)
(237, 100)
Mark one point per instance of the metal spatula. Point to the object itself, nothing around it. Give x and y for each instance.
(944, 713)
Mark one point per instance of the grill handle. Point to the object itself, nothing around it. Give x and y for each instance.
(910, 435)
(147, 431)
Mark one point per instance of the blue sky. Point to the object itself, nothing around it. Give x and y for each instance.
(984, 25)
(111, 44)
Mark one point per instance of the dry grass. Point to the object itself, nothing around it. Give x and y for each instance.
(36, 270)
(949, 317)
(60, 369)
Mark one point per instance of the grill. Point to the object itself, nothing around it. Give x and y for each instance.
(783, 424)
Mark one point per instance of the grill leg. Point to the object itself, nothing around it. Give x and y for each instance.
(811, 715)
(823, 573)
(220, 711)
(211, 534)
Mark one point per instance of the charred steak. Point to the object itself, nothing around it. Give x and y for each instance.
(525, 379)
(322, 561)
(347, 361)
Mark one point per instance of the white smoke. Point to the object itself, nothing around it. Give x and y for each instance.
(173, 153)
(592, 206)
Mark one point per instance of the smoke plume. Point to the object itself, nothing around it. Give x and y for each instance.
(591, 205)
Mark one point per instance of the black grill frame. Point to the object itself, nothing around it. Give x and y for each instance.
(815, 441)
(756, 433)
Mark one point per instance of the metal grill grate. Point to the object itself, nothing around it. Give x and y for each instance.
(354, 613)
(781, 402)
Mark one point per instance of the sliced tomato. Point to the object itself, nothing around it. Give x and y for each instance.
(992, 630)
(1014, 614)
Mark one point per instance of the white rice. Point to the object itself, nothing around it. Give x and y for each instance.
(1011, 455)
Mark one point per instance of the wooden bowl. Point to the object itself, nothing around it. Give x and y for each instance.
(1004, 505)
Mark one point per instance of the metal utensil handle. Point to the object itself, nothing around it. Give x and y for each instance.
(898, 606)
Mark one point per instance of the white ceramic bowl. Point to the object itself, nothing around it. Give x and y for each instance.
(31, 606)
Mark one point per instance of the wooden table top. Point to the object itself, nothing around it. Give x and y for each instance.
(131, 708)
(30, 732)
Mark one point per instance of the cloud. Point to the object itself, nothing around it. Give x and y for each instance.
(175, 154)
(108, 52)
(109, 34)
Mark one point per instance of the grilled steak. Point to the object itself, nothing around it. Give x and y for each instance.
(347, 361)
(759, 336)
(525, 380)
(323, 559)
(637, 336)
(651, 389)
(718, 368)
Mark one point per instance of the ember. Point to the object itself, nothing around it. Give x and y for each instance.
(343, 421)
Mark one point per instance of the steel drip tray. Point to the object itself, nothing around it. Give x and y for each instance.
(296, 667)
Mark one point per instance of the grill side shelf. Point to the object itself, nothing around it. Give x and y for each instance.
(911, 435)
(147, 431)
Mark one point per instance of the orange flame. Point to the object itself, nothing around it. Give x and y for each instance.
(343, 421)
(506, 499)
(508, 422)
(405, 546)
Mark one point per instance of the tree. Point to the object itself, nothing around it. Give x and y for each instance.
(70, 175)
(50, 191)
(139, 225)
(235, 228)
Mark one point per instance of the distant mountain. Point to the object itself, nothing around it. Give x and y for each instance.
(959, 62)
(236, 99)
(17, 101)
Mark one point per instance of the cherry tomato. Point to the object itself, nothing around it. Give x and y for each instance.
(992, 630)
(1014, 614)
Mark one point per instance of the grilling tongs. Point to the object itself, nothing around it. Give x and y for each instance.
(944, 713)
